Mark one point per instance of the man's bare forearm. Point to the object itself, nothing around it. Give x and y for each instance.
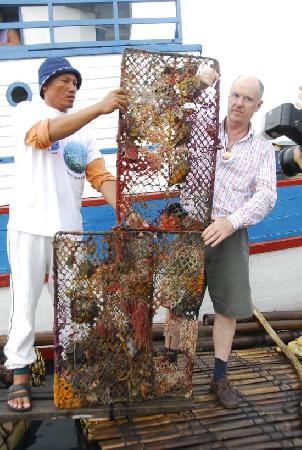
(108, 190)
(63, 126)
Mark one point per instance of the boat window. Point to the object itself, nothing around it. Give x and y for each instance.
(18, 92)
(149, 9)
(87, 10)
(8, 15)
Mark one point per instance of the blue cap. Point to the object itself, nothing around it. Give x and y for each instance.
(55, 66)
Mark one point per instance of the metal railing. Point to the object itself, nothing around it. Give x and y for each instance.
(74, 27)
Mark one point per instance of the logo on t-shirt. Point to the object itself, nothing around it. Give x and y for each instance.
(75, 157)
(54, 147)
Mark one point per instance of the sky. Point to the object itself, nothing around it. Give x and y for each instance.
(258, 37)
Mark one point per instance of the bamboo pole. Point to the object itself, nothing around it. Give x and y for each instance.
(258, 339)
(251, 327)
(247, 327)
(41, 338)
(293, 358)
(208, 319)
(45, 338)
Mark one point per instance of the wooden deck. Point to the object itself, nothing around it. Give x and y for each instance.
(269, 415)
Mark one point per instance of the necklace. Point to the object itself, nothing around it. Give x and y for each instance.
(228, 152)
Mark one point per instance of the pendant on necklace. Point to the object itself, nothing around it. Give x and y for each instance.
(227, 154)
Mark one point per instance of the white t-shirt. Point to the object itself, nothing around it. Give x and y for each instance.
(49, 183)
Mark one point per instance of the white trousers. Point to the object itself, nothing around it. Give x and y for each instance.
(30, 257)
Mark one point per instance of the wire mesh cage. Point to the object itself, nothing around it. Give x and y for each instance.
(108, 287)
(168, 138)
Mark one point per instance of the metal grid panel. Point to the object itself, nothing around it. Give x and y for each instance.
(108, 287)
(168, 138)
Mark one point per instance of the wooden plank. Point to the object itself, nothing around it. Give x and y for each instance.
(44, 408)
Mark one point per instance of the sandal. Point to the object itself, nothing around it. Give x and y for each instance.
(19, 391)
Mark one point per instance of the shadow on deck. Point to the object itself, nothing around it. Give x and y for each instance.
(269, 415)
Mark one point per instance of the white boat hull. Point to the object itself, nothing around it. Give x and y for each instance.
(275, 284)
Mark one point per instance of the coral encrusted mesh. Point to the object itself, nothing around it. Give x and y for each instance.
(168, 137)
(108, 286)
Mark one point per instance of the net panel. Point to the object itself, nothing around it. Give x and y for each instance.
(108, 287)
(168, 138)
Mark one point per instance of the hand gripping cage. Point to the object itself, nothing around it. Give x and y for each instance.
(168, 138)
(108, 286)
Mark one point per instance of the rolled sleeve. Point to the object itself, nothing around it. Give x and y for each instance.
(236, 220)
(38, 136)
(97, 174)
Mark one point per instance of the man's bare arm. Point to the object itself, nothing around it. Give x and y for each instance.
(66, 125)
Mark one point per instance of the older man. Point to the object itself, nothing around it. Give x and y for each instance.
(244, 193)
(54, 153)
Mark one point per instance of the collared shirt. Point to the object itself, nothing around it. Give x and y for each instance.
(245, 184)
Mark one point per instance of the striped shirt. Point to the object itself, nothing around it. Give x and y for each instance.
(245, 184)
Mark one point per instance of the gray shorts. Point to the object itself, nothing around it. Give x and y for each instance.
(227, 276)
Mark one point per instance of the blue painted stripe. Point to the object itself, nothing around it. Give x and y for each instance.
(87, 22)
(97, 219)
(284, 221)
(6, 159)
(21, 52)
(4, 265)
(73, 2)
(108, 151)
(123, 43)
(160, 42)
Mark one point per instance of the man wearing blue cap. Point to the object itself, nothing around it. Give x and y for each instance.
(54, 154)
